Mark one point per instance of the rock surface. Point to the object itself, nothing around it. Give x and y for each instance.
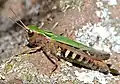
(85, 19)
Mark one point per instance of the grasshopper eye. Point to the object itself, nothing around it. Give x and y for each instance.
(30, 34)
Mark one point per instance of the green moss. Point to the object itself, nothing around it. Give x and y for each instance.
(8, 67)
(27, 77)
(76, 82)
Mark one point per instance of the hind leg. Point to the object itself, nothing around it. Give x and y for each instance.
(52, 59)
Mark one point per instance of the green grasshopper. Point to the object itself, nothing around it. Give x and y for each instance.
(58, 38)
(67, 49)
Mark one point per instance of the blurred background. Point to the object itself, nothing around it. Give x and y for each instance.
(31, 12)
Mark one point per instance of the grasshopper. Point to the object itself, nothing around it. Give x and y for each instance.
(65, 48)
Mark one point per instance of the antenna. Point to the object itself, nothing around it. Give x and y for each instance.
(23, 25)
(16, 22)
